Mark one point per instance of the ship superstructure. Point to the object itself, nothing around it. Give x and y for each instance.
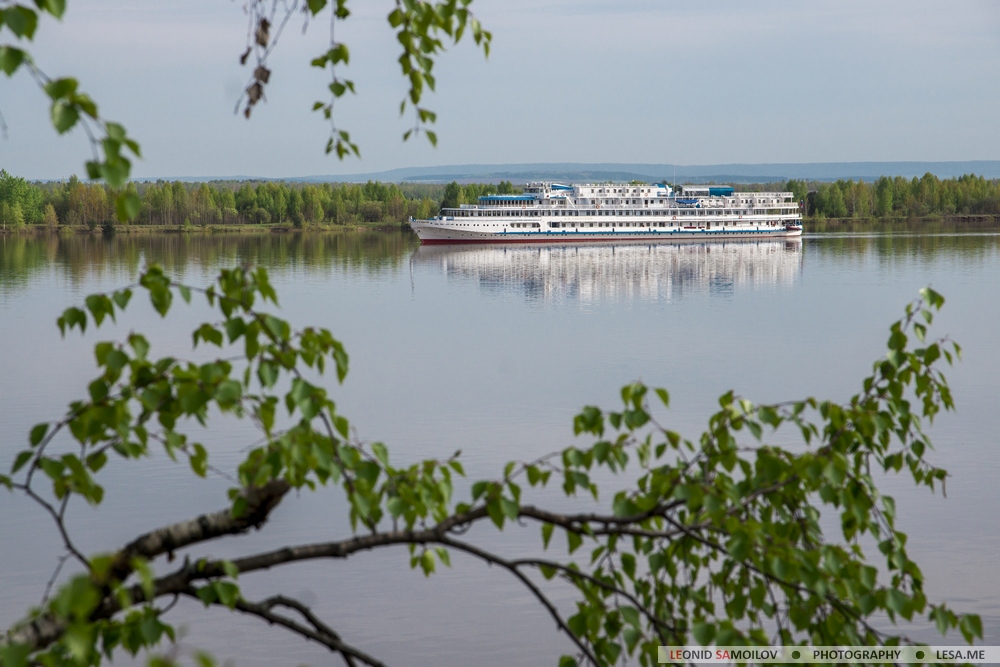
(551, 212)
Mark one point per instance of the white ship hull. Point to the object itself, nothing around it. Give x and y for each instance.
(433, 232)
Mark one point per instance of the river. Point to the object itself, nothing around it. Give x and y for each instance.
(492, 350)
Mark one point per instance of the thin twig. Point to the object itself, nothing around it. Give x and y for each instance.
(52, 579)
(511, 567)
(320, 632)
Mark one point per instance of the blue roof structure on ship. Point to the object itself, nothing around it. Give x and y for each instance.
(507, 198)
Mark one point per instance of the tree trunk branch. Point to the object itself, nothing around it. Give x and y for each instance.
(260, 501)
(46, 628)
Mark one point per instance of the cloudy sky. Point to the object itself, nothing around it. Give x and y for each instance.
(644, 81)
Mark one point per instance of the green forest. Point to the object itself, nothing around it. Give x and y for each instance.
(899, 198)
(176, 203)
(273, 203)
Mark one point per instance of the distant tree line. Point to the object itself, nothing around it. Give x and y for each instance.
(20, 202)
(75, 202)
(899, 197)
(455, 194)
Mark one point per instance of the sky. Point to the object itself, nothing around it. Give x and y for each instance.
(644, 81)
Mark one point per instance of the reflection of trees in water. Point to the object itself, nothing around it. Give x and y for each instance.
(86, 255)
(621, 272)
(907, 246)
(951, 225)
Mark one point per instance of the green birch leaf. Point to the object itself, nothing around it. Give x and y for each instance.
(510, 508)
(54, 7)
(21, 20)
(21, 460)
(427, 563)
(10, 59)
(496, 513)
(127, 207)
(38, 434)
(229, 567)
(64, 116)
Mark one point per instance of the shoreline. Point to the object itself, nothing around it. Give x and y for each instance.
(129, 229)
(958, 221)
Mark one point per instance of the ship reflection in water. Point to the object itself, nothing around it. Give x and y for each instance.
(620, 272)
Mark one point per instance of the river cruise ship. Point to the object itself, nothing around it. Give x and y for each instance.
(554, 213)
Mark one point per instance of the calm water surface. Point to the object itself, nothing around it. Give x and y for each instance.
(491, 351)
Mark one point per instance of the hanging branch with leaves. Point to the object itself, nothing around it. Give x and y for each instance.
(70, 107)
(421, 29)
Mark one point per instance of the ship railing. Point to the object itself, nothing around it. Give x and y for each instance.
(499, 208)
